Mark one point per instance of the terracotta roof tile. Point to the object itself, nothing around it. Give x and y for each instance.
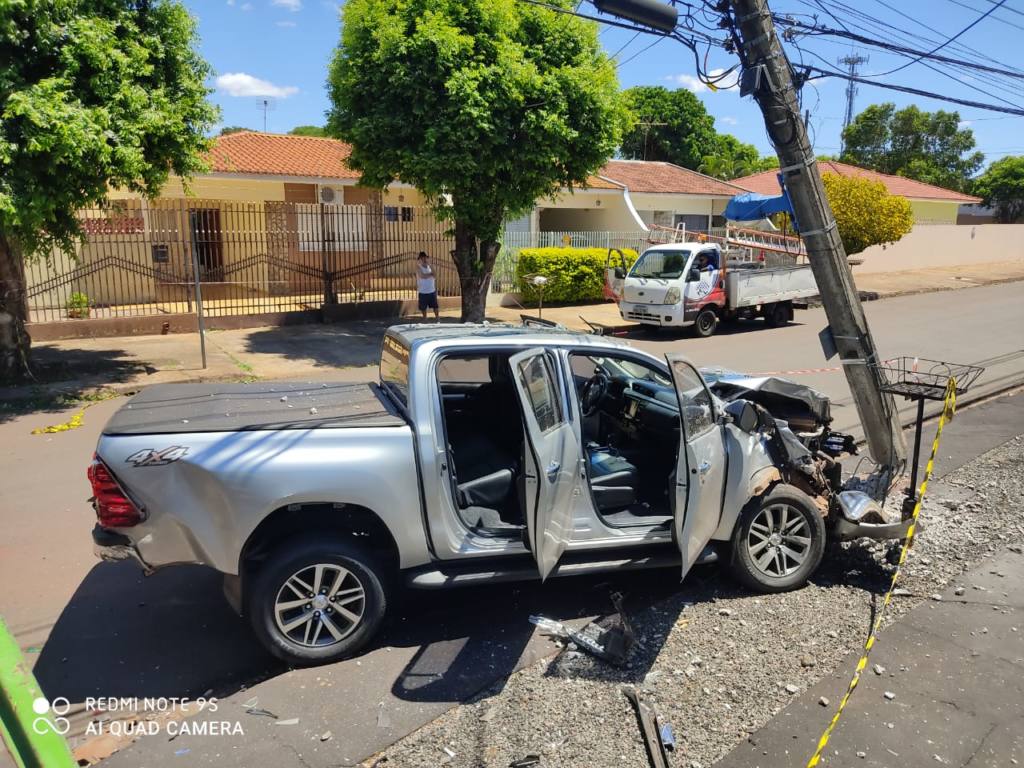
(766, 183)
(281, 155)
(666, 178)
(597, 182)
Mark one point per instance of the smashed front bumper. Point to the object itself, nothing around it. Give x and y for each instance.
(113, 547)
(860, 516)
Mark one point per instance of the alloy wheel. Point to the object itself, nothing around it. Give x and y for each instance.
(778, 540)
(319, 605)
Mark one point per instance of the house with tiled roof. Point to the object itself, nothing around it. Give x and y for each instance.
(254, 166)
(930, 204)
(631, 195)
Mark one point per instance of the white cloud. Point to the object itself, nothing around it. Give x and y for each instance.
(964, 124)
(246, 6)
(693, 83)
(729, 120)
(284, 23)
(292, 5)
(241, 84)
(231, 2)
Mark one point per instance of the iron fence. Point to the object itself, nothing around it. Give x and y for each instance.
(145, 258)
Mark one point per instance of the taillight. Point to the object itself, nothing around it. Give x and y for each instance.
(113, 508)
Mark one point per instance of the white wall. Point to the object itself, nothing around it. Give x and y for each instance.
(945, 245)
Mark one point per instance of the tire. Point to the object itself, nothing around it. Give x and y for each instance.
(705, 323)
(754, 539)
(354, 622)
(777, 315)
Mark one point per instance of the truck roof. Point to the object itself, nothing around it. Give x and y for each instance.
(414, 334)
(689, 245)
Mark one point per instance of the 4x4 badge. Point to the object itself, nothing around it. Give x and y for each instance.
(149, 457)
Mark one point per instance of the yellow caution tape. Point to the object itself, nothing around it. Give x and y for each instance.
(74, 423)
(948, 410)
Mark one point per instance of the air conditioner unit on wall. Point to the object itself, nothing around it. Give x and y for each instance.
(330, 195)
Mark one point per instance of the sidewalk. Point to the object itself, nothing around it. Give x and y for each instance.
(955, 667)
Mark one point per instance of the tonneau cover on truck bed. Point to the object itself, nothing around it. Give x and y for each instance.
(174, 408)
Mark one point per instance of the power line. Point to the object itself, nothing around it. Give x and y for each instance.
(919, 92)
(892, 47)
(937, 48)
(997, 18)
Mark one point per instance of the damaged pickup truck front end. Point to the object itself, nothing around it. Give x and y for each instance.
(796, 421)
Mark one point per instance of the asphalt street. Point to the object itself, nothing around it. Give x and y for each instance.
(91, 628)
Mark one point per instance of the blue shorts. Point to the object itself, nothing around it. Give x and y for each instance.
(428, 301)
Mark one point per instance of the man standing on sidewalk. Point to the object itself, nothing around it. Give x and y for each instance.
(426, 285)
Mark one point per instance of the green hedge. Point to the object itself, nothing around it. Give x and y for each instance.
(574, 274)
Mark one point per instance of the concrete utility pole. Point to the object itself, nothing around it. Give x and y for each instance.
(768, 76)
(852, 62)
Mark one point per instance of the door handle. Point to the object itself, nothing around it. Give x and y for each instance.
(552, 470)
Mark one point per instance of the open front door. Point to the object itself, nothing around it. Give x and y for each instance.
(552, 457)
(701, 467)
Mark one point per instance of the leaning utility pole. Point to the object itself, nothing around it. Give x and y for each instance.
(852, 62)
(768, 76)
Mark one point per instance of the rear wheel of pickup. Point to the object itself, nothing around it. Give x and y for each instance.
(315, 601)
(779, 541)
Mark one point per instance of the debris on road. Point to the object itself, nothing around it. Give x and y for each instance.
(656, 752)
(289, 721)
(260, 712)
(525, 762)
(889, 695)
(609, 643)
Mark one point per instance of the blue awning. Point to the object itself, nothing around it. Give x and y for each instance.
(752, 206)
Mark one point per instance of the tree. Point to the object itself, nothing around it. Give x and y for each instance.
(672, 126)
(927, 146)
(1002, 187)
(484, 105)
(866, 214)
(308, 130)
(95, 94)
(227, 130)
(732, 159)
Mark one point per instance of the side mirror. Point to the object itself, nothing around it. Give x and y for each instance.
(620, 274)
(743, 414)
(694, 275)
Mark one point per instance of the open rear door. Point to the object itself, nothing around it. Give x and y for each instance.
(552, 456)
(701, 467)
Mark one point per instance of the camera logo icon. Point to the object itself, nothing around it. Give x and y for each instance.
(58, 724)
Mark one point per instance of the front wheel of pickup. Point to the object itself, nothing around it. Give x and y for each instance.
(317, 601)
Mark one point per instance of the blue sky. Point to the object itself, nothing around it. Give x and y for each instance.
(280, 50)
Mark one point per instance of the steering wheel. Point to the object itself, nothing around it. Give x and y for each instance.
(593, 392)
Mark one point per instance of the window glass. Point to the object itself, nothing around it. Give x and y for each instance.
(536, 378)
(697, 411)
(667, 265)
(465, 370)
(394, 368)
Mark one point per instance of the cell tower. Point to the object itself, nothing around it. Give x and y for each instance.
(851, 62)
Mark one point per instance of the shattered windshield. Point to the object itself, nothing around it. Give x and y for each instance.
(664, 265)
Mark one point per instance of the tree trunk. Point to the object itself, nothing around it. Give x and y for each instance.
(14, 339)
(474, 262)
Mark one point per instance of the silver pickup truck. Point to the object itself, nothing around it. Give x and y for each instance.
(484, 454)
